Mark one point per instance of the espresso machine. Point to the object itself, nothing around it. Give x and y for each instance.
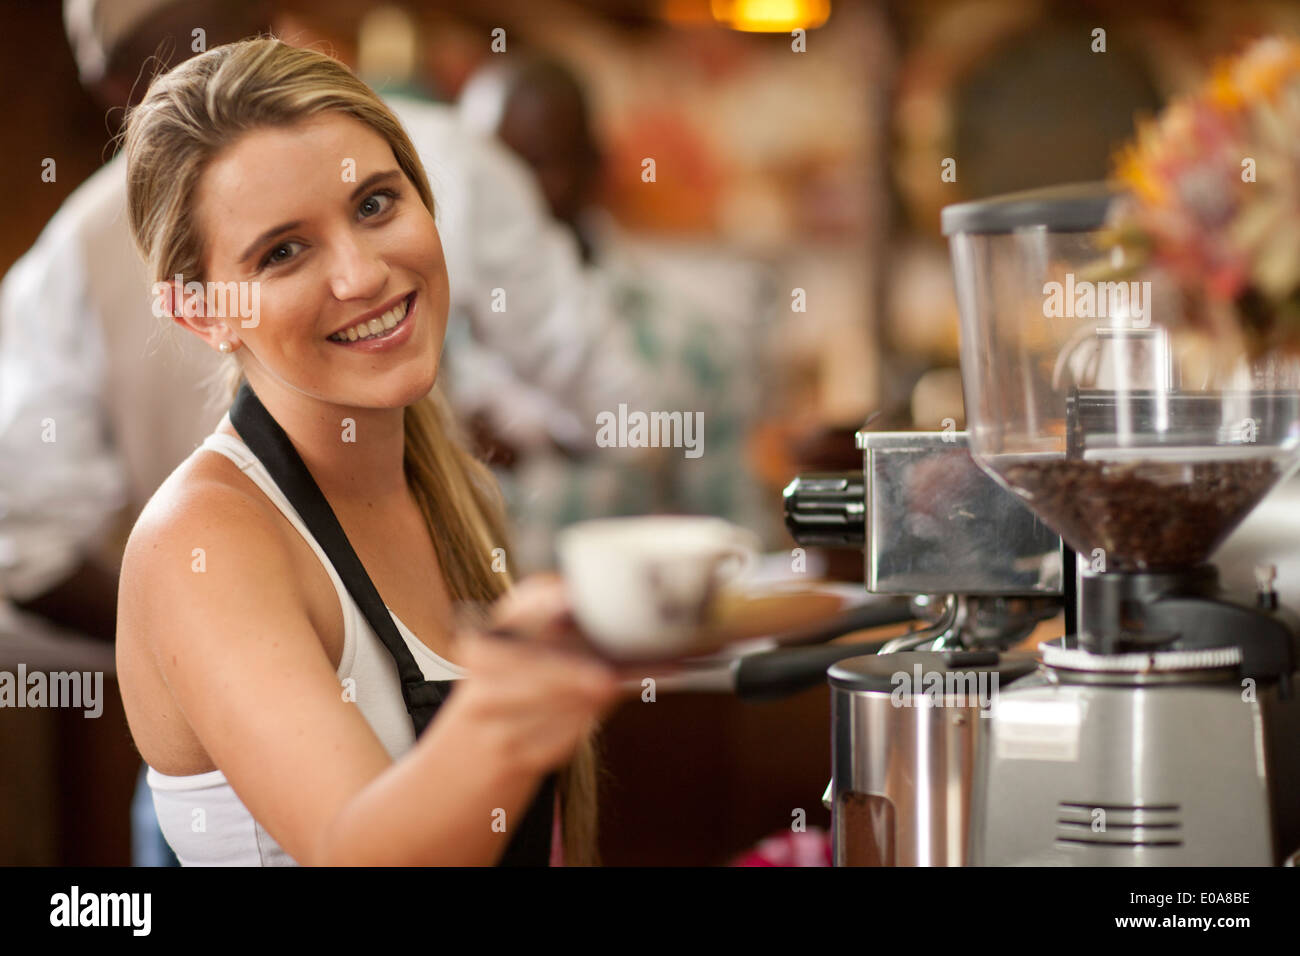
(1109, 451)
(1166, 729)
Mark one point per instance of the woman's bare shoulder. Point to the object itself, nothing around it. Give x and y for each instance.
(204, 485)
(207, 492)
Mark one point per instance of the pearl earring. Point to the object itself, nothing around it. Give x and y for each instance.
(225, 348)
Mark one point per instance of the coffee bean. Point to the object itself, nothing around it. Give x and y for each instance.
(1144, 515)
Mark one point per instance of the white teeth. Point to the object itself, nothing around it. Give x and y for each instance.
(364, 330)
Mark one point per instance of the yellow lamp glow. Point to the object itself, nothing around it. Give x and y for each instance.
(771, 16)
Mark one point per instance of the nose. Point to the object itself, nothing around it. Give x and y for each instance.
(357, 270)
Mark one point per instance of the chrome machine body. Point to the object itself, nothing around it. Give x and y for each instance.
(984, 572)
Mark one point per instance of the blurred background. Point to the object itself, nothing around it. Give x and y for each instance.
(782, 271)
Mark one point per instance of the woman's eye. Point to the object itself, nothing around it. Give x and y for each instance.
(281, 253)
(376, 203)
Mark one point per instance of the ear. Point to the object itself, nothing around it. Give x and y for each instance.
(171, 300)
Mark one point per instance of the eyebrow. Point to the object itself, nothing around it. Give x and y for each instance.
(369, 182)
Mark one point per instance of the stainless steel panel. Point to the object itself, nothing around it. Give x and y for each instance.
(910, 770)
(1089, 775)
(937, 524)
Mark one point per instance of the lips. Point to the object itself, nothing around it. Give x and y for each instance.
(386, 339)
(377, 325)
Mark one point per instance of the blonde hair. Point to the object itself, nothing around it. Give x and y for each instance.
(187, 117)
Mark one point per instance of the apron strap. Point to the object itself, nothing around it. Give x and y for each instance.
(268, 441)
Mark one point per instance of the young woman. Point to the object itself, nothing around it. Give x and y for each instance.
(276, 698)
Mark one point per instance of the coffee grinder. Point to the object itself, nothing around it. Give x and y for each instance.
(1166, 729)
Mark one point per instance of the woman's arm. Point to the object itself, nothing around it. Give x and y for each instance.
(236, 647)
(519, 716)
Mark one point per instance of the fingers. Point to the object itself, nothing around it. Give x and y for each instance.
(537, 608)
(531, 679)
(540, 700)
(539, 670)
(531, 628)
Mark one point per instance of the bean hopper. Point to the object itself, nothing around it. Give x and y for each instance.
(1165, 730)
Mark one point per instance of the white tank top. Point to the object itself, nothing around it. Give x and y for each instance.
(200, 815)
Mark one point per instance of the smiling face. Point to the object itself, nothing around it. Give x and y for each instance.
(320, 216)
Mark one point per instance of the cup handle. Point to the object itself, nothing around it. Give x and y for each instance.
(737, 557)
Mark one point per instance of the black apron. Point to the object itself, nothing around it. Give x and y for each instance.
(531, 843)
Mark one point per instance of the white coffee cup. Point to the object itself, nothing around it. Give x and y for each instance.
(643, 586)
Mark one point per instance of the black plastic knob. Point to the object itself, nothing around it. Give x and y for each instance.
(827, 510)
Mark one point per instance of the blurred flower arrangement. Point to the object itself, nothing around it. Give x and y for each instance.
(1213, 189)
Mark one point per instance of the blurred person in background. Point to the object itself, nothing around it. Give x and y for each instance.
(125, 416)
(537, 107)
(694, 323)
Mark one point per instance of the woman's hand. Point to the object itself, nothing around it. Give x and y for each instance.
(531, 690)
